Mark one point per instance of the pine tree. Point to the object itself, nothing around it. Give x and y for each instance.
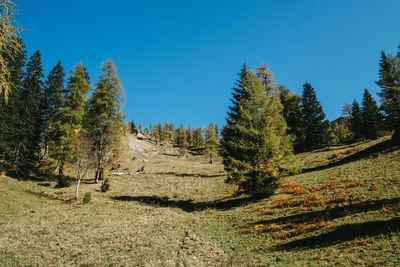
(293, 115)
(10, 111)
(28, 152)
(254, 143)
(70, 117)
(356, 121)
(105, 117)
(370, 117)
(389, 81)
(53, 99)
(315, 130)
(211, 143)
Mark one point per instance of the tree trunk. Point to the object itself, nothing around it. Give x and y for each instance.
(77, 187)
(96, 177)
(61, 171)
(101, 175)
(211, 158)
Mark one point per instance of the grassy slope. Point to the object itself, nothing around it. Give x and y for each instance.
(180, 212)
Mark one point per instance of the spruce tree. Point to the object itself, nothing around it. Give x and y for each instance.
(53, 99)
(293, 115)
(10, 111)
(389, 81)
(315, 130)
(198, 138)
(181, 139)
(105, 117)
(356, 120)
(370, 116)
(31, 117)
(211, 143)
(254, 143)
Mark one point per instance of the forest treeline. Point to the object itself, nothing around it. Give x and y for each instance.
(48, 122)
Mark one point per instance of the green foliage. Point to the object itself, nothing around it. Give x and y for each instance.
(372, 120)
(198, 138)
(63, 181)
(28, 155)
(105, 186)
(315, 129)
(389, 81)
(8, 38)
(293, 115)
(87, 197)
(104, 117)
(211, 143)
(254, 143)
(181, 139)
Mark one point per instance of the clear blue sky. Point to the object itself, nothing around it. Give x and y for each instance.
(178, 60)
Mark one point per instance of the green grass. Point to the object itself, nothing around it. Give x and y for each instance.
(181, 213)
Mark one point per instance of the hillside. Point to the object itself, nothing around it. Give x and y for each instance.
(343, 209)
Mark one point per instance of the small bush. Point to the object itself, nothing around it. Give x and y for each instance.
(87, 197)
(63, 182)
(105, 186)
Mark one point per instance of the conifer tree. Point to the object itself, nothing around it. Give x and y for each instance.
(189, 136)
(105, 117)
(10, 111)
(211, 143)
(370, 116)
(70, 117)
(8, 38)
(132, 127)
(254, 143)
(198, 138)
(315, 130)
(293, 115)
(28, 154)
(389, 81)
(181, 139)
(53, 99)
(356, 120)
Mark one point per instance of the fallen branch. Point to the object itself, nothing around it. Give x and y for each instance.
(140, 171)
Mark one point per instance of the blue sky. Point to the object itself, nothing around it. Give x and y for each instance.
(178, 60)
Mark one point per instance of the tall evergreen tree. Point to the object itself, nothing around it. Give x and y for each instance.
(69, 119)
(10, 120)
(370, 116)
(105, 117)
(198, 138)
(389, 81)
(293, 115)
(53, 99)
(314, 129)
(356, 120)
(28, 153)
(181, 139)
(211, 142)
(254, 143)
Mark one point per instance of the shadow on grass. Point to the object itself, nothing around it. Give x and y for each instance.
(380, 147)
(333, 213)
(194, 175)
(344, 233)
(188, 205)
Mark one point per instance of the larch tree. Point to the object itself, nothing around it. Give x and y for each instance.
(8, 37)
(70, 117)
(315, 129)
(254, 143)
(211, 142)
(105, 117)
(389, 81)
(181, 139)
